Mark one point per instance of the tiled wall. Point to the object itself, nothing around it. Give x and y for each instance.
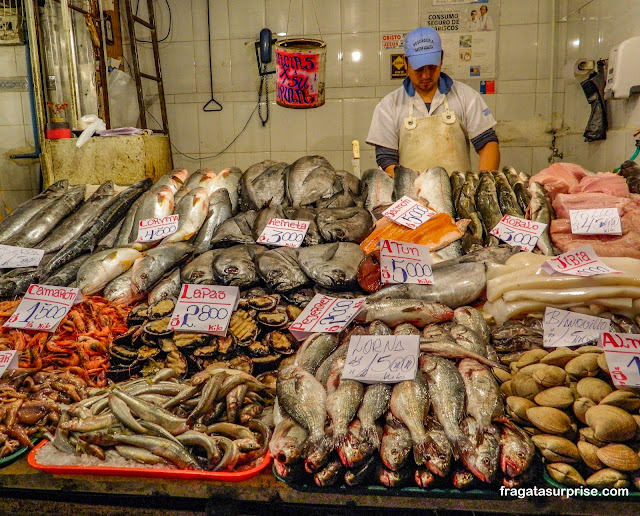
(18, 180)
(589, 30)
(353, 88)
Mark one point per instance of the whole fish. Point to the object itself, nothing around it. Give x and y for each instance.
(102, 267)
(344, 224)
(167, 288)
(463, 478)
(379, 328)
(495, 254)
(423, 477)
(395, 446)
(314, 350)
(154, 203)
(404, 180)
(474, 320)
(324, 369)
(396, 311)
(313, 236)
(375, 403)
(174, 180)
(457, 180)
(440, 451)
(516, 451)
(207, 181)
(349, 187)
(406, 329)
(469, 339)
(155, 263)
(192, 209)
(228, 179)
(68, 273)
(219, 210)
(105, 222)
(466, 209)
(342, 405)
(180, 194)
(279, 269)
(354, 449)
(120, 291)
(24, 213)
(329, 474)
(507, 199)
(76, 223)
(511, 174)
(247, 194)
(235, 266)
(48, 218)
(487, 205)
(332, 266)
(287, 442)
(362, 474)
(540, 210)
(409, 403)
(393, 478)
(304, 399)
(266, 188)
(126, 225)
(194, 179)
(483, 460)
(200, 269)
(376, 188)
(455, 284)
(335, 375)
(263, 217)
(446, 392)
(236, 230)
(16, 282)
(448, 349)
(522, 195)
(309, 178)
(434, 187)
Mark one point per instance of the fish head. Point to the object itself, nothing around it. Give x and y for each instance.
(424, 477)
(287, 451)
(317, 457)
(514, 460)
(395, 453)
(350, 451)
(439, 454)
(483, 461)
(462, 479)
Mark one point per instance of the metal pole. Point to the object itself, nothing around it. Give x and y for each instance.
(74, 86)
(134, 63)
(34, 55)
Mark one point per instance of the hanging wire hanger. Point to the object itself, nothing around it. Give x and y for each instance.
(206, 108)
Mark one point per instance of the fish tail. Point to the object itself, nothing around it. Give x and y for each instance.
(370, 435)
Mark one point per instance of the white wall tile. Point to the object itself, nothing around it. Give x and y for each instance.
(356, 114)
(324, 132)
(518, 157)
(21, 61)
(336, 157)
(517, 57)
(220, 65)
(544, 11)
(246, 18)
(285, 16)
(215, 129)
(183, 126)
(361, 59)
(226, 160)
(11, 136)
(244, 69)
(13, 176)
(516, 12)
(8, 62)
(360, 16)
(333, 66)
(517, 106)
(10, 108)
(245, 159)
(398, 15)
(615, 150)
(544, 59)
(288, 129)
(506, 86)
(199, 19)
(178, 68)
(322, 17)
(540, 158)
(287, 156)
(181, 20)
(255, 138)
(16, 198)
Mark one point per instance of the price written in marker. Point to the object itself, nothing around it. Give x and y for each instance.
(563, 328)
(150, 230)
(42, 308)
(403, 262)
(14, 257)
(603, 221)
(8, 360)
(382, 358)
(409, 213)
(284, 232)
(325, 314)
(516, 231)
(204, 309)
(622, 351)
(582, 261)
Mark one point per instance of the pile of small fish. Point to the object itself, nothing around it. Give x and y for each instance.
(218, 421)
(446, 427)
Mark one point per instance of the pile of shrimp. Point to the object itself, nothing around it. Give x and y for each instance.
(80, 344)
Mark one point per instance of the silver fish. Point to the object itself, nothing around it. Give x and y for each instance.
(395, 446)
(404, 180)
(156, 203)
(200, 269)
(379, 328)
(375, 403)
(474, 320)
(180, 194)
(313, 236)
(126, 226)
(228, 179)
(488, 206)
(314, 350)
(449, 349)
(174, 180)
(194, 179)
(439, 451)
(102, 267)
(469, 339)
(507, 199)
(540, 210)
(342, 405)
(396, 311)
(279, 269)
(247, 193)
(434, 186)
(235, 266)
(263, 218)
(309, 179)
(376, 188)
(192, 209)
(266, 188)
(333, 266)
(516, 451)
(349, 186)
(344, 224)
(167, 288)
(236, 230)
(219, 210)
(483, 460)
(119, 290)
(406, 329)
(287, 442)
(155, 263)
(67, 274)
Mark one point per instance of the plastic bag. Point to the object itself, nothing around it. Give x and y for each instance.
(123, 99)
(593, 88)
(92, 123)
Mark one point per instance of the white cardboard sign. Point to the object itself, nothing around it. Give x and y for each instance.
(325, 314)
(382, 358)
(204, 309)
(12, 257)
(517, 231)
(404, 262)
(409, 213)
(563, 328)
(582, 261)
(622, 351)
(602, 221)
(284, 232)
(43, 307)
(150, 230)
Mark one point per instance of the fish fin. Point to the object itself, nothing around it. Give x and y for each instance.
(462, 447)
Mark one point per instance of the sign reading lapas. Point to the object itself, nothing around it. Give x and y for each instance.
(622, 351)
(603, 221)
(204, 309)
(325, 314)
(409, 213)
(564, 328)
(42, 308)
(582, 261)
(382, 358)
(516, 231)
(12, 257)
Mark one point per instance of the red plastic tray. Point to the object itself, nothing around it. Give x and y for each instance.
(183, 474)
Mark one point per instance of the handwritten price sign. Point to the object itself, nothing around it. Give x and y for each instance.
(325, 314)
(8, 360)
(284, 232)
(42, 308)
(409, 213)
(623, 357)
(605, 221)
(382, 358)
(150, 230)
(582, 261)
(204, 309)
(13, 257)
(516, 231)
(562, 328)
(402, 262)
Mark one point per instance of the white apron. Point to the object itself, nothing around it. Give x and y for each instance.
(434, 141)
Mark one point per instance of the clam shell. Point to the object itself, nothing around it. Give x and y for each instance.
(559, 357)
(556, 449)
(565, 474)
(532, 356)
(580, 407)
(636, 418)
(549, 420)
(501, 375)
(531, 368)
(517, 408)
(594, 389)
(586, 434)
(608, 478)
(585, 364)
(506, 389)
(626, 400)
(525, 386)
(550, 376)
(589, 349)
(589, 455)
(556, 397)
(602, 363)
(620, 457)
(611, 423)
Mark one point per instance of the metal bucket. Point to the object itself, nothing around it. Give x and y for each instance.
(300, 65)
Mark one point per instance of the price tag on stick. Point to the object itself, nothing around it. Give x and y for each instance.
(204, 309)
(516, 231)
(582, 261)
(12, 257)
(622, 351)
(403, 262)
(284, 232)
(382, 358)
(150, 230)
(409, 213)
(325, 314)
(563, 328)
(8, 360)
(603, 221)
(42, 308)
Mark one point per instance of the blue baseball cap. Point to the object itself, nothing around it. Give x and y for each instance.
(423, 47)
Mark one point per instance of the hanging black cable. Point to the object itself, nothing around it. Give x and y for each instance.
(204, 108)
(168, 30)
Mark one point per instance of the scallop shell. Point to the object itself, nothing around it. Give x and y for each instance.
(589, 455)
(602, 362)
(550, 420)
(525, 386)
(580, 407)
(557, 449)
(620, 457)
(550, 376)
(533, 356)
(594, 389)
(583, 365)
(517, 408)
(559, 357)
(611, 423)
(608, 478)
(626, 400)
(565, 474)
(556, 397)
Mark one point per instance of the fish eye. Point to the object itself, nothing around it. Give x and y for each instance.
(485, 461)
(521, 455)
